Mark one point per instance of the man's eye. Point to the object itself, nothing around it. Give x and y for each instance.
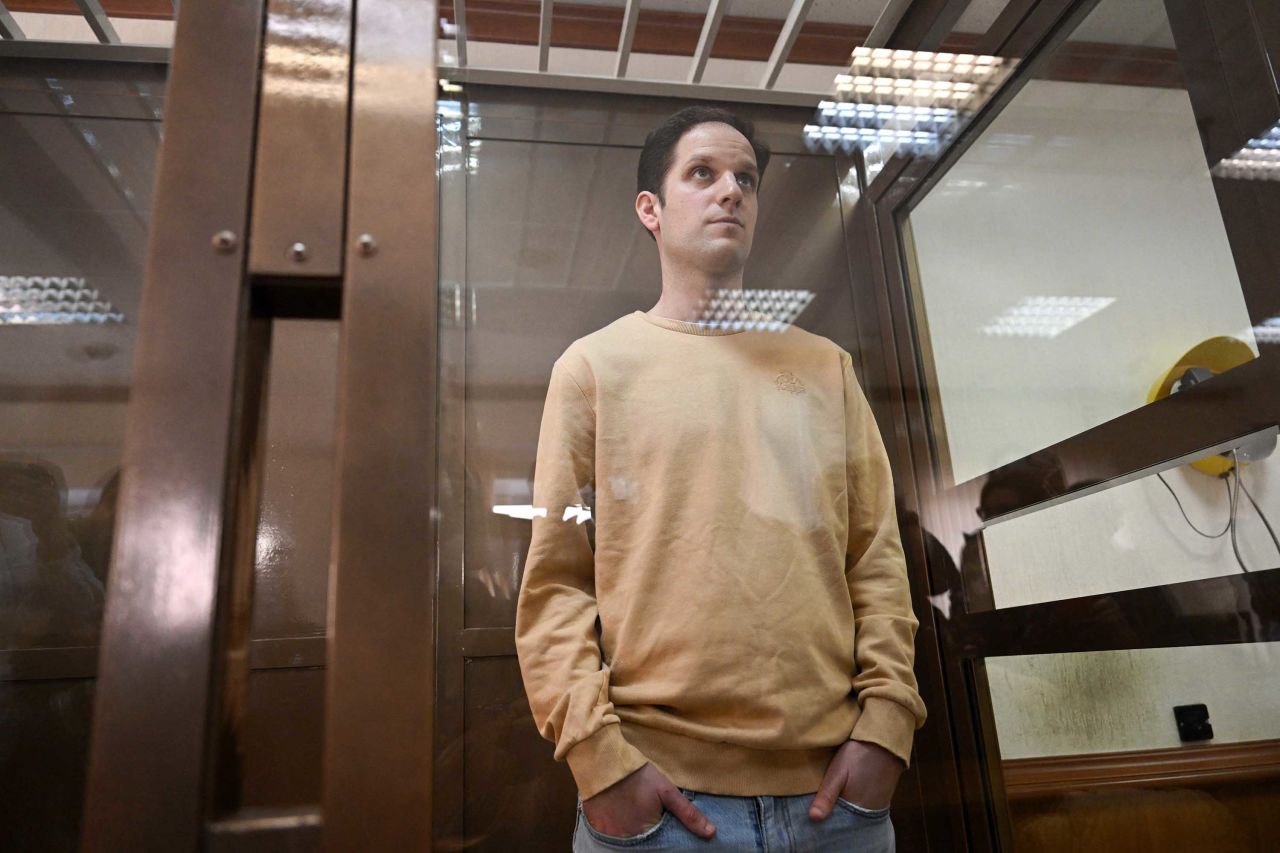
(701, 172)
(746, 180)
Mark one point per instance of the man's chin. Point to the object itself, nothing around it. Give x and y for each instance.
(729, 258)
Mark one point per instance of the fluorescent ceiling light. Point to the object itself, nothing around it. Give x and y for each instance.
(913, 92)
(1258, 160)
(53, 301)
(1045, 316)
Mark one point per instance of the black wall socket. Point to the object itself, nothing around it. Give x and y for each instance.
(1193, 722)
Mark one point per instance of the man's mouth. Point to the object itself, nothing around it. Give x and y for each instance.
(729, 219)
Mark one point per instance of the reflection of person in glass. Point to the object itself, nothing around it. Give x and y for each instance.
(749, 685)
(48, 596)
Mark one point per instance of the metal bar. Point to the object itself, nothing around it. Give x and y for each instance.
(1186, 459)
(544, 35)
(628, 86)
(449, 799)
(80, 51)
(147, 787)
(98, 21)
(1006, 23)
(918, 25)
(710, 26)
(82, 661)
(629, 19)
(1145, 618)
(378, 790)
(786, 39)
(300, 165)
(8, 26)
(460, 30)
(887, 23)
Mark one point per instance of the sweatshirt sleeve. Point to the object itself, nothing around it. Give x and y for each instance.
(560, 662)
(876, 571)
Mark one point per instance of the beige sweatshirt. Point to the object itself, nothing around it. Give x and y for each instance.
(747, 572)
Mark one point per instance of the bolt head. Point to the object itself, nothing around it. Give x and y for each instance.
(224, 241)
(298, 251)
(368, 245)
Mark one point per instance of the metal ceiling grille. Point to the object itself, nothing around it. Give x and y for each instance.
(110, 47)
(693, 87)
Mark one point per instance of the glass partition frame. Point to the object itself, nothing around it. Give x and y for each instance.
(1237, 404)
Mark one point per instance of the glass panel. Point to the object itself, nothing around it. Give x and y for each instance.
(1184, 523)
(720, 487)
(554, 251)
(1074, 253)
(76, 176)
(75, 197)
(1146, 749)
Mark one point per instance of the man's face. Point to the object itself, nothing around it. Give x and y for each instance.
(709, 214)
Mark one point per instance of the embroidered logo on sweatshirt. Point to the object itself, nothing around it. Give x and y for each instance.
(788, 381)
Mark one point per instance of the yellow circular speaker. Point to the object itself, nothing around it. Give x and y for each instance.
(1217, 355)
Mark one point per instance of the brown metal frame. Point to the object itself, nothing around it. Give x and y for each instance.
(380, 688)
(165, 767)
(171, 672)
(301, 154)
(1226, 79)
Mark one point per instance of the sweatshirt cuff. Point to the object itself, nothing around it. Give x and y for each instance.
(887, 724)
(603, 759)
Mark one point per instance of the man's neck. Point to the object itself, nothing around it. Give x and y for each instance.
(686, 294)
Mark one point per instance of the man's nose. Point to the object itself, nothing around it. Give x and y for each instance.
(730, 189)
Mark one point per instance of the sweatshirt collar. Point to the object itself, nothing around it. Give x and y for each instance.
(692, 328)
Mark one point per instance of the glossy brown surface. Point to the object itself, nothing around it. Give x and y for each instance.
(379, 711)
(147, 783)
(300, 164)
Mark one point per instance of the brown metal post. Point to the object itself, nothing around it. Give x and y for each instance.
(380, 687)
(184, 488)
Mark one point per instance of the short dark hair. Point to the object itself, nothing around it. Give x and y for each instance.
(660, 145)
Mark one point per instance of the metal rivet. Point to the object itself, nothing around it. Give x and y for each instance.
(224, 241)
(298, 251)
(368, 245)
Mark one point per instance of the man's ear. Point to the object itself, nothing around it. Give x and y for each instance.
(647, 209)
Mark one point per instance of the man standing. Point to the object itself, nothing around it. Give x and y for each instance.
(730, 668)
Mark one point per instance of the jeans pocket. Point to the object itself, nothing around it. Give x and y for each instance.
(869, 814)
(623, 840)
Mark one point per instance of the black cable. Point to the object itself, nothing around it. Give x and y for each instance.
(1218, 535)
(1258, 509)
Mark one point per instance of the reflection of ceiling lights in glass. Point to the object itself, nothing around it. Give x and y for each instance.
(1258, 160)
(525, 511)
(762, 310)
(1045, 316)
(919, 140)
(52, 301)
(896, 95)
(879, 115)
(1268, 331)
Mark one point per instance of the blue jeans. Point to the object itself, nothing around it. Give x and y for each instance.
(753, 825)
